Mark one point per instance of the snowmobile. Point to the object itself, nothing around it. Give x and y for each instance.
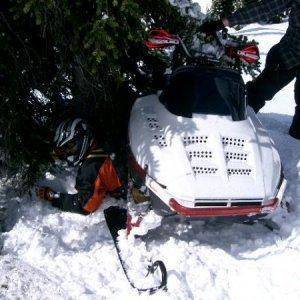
(196, 149)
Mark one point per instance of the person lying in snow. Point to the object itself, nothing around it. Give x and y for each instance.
(283, 60)
(97, 176)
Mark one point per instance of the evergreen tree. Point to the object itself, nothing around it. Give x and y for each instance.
(78, 58)
(222, 7)
(64, 59)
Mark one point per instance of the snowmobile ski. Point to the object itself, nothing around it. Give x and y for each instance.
(116, 218)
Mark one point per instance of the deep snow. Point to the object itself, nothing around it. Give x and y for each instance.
(48, 254)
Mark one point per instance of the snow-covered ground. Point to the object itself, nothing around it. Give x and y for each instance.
(48, 254)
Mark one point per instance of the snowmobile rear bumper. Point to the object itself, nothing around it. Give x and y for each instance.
(224, 211)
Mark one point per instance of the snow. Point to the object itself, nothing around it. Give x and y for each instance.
(38, 95)
(48, 254)
(204, 4)
(196, 9)
(188, 7)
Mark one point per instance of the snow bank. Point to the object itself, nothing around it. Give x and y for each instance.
(51, 254)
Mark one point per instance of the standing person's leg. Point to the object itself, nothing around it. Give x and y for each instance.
(295, 127)
(269, 82)
(297, 90)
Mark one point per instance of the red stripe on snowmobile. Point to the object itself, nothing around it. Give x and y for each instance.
(223, 212)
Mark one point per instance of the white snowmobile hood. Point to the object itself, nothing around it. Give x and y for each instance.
(204, 157)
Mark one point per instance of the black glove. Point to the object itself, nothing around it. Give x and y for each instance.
(210, 27)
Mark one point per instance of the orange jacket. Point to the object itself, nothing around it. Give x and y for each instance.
(96, 177)
(107, 180)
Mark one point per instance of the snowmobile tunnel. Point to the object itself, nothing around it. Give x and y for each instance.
(205, 90)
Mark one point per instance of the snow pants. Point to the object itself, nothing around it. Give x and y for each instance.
(273, 78)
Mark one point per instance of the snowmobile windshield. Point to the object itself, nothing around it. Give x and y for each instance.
(204, 90)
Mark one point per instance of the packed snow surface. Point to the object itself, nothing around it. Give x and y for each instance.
(48, 254)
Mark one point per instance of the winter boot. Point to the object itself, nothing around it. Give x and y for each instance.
(295, 127)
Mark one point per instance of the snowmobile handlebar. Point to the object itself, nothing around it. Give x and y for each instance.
(160, 39)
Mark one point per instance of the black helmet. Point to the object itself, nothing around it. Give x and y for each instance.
(73, 139)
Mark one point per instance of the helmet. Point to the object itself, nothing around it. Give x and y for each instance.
(73, 139)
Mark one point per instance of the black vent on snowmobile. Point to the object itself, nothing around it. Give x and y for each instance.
(254, 203)
(153, 123)
(212, 204)
(200, 154)
(161, 140)
(204, 170)
(228, 202)
(229, 141)
(149, 119)
(236, 156)
(232, 172)
(187, 140)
